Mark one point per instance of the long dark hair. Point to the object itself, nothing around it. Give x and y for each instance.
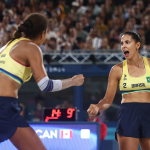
(136, 36)
(32, 26)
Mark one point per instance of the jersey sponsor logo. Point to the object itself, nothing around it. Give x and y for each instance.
(148, 79)
(28, 77)
(2, 62)
(3, 55)
(125, 77)
(138, 85)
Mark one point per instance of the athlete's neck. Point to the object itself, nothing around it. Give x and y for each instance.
(137, 60)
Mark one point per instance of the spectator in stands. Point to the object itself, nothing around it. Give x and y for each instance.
(27, 9)
(66, 46)
(38, 116)
(117, 24)
(103, 14)
(95, 37)
(9, 34)
(130, 13)
(134, 22)
(140, 4)
(88, 13)
(109, 7)
(49, 8)
(129, 27)
(114, 36)
(42, 8)
(56, 19)
(65, 104)
(2, 9)
(94, 8)
(99, 25)
(74, 10)
(17, 21)
(146, 11)
(79, 44)
(2, 32)
(24, 15)
(103, 131)
(61, 11)
(114, 45)
(70, 15)
(89, 45)
(86, 23)
(81, 9)
(52, 44)
(126, 6)
(104, 45)
(80, 32)
(71, 37)
(66, 7)
(4, 39)
(118, 13)
(50, 30)
(33, 6)
(11, 16)
(5, 23)
(68, 23)
(20, 6)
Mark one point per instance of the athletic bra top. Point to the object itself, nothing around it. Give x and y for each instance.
(17, 71)
(129, 84)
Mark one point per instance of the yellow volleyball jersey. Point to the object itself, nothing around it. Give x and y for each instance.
(17, 71)
(129, 84)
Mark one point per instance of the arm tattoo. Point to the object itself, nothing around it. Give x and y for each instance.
(33, 71)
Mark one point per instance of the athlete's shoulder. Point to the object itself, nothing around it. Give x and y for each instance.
(116, 70)
(118, 67)
(31, 48)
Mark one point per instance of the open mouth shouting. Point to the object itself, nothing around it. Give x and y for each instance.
(126, 53)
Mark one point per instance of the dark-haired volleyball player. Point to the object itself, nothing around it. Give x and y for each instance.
(133, 77)
(18, 60)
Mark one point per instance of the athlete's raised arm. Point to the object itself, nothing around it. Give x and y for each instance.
(35, 59)
(114, 77)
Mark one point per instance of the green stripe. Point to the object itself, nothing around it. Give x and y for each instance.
(135, 91)
(11, 76)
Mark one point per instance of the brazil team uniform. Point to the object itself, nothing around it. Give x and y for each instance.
(10, 118)
(134, 117)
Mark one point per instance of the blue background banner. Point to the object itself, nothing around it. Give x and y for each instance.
(87, 70)
(64, 136)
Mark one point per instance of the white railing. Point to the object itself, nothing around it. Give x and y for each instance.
(88, 56)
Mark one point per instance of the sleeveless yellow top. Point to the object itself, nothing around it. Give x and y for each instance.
(17, 71)
(129, 84)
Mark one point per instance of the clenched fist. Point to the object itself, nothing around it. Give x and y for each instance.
(93, 109)
(77, 80)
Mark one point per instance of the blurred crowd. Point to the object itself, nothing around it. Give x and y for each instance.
(79, 24)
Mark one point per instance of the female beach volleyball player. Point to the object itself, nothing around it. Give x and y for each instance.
(18, 60)
(133, 77)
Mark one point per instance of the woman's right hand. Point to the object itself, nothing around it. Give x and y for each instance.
(93, 109)
(77, 80)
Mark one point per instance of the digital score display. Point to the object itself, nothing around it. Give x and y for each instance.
(63, 114)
